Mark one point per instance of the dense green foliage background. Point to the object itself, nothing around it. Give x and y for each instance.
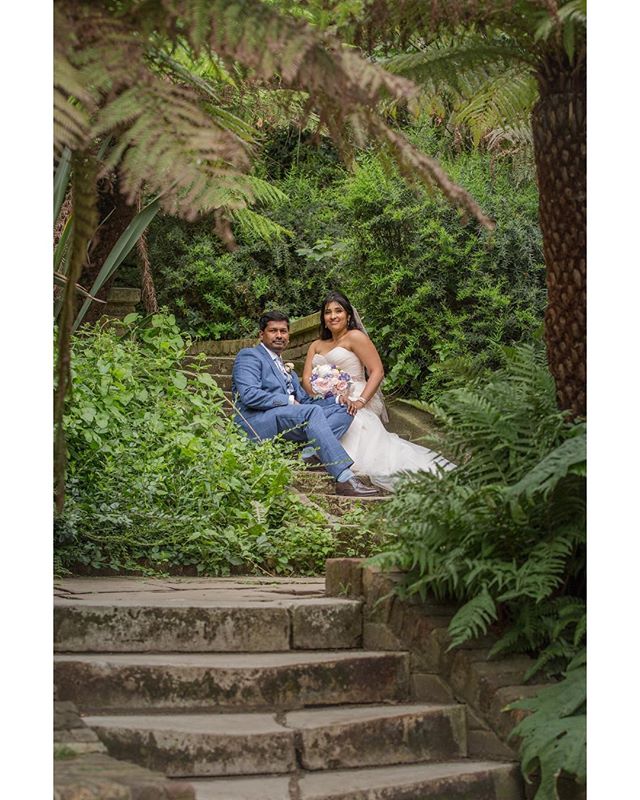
(437, 295)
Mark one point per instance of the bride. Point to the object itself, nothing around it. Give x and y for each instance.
(376, 453)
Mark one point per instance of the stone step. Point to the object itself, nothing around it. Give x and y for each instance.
(243, 681)
(222, 365)
(206, 622)
(452, 780)
(319, 739)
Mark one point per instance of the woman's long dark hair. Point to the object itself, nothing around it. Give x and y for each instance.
(336, 297)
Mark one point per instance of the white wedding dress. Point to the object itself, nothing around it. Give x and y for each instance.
(376, 453)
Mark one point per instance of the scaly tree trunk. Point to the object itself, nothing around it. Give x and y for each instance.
(115, 214)
(559, 134)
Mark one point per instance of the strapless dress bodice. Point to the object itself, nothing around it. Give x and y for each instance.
(345, 360)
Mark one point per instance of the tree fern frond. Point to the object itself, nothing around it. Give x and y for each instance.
(441, 64)
(303, 61)
(209, 89)
(343, 87)
(502, 100)
(72, 105)
(170, 145)
(258, 225)
(264, 191)
(518, 137)
(574, 12)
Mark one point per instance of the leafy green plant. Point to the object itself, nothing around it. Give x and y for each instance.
(553, 736)
(159, 476)
(505, 531)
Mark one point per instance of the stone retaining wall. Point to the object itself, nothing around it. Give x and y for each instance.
(437, 674)
(301, 332)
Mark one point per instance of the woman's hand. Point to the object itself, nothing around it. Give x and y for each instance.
(353, 406)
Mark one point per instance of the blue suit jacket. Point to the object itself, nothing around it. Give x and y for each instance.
(258, 386)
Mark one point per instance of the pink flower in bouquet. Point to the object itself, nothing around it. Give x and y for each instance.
(327, 381)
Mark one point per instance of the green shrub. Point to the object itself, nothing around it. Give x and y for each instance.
(159, 476)
(504, 532)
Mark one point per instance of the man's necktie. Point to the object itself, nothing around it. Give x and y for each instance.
(287, 377)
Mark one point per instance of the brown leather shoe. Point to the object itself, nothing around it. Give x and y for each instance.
(313, 464)
(355, 488)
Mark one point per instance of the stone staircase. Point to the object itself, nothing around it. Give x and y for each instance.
(259, 689)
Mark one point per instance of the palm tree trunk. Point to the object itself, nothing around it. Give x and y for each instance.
(559, 135)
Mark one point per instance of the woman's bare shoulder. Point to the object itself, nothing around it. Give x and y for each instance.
(313, 347)
(356, 336)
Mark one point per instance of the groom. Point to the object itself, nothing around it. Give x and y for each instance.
(269, 400)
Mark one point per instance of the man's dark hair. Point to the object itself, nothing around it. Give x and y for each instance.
(272, 316)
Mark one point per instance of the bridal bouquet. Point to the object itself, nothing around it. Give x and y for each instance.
(328, 381)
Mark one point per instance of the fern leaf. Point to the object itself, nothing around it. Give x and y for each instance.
(554, 734)
(544, 477)
(473, 619)
(256, 224)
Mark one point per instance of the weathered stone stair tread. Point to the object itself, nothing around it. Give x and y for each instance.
(207, 624)
(200, 744)
(327, 738)
(175, 588)
(248, 661)
(264, 787)
(218, 681)
(199, 599)
(457, 780)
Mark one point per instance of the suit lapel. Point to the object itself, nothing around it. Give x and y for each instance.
(266, 356)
